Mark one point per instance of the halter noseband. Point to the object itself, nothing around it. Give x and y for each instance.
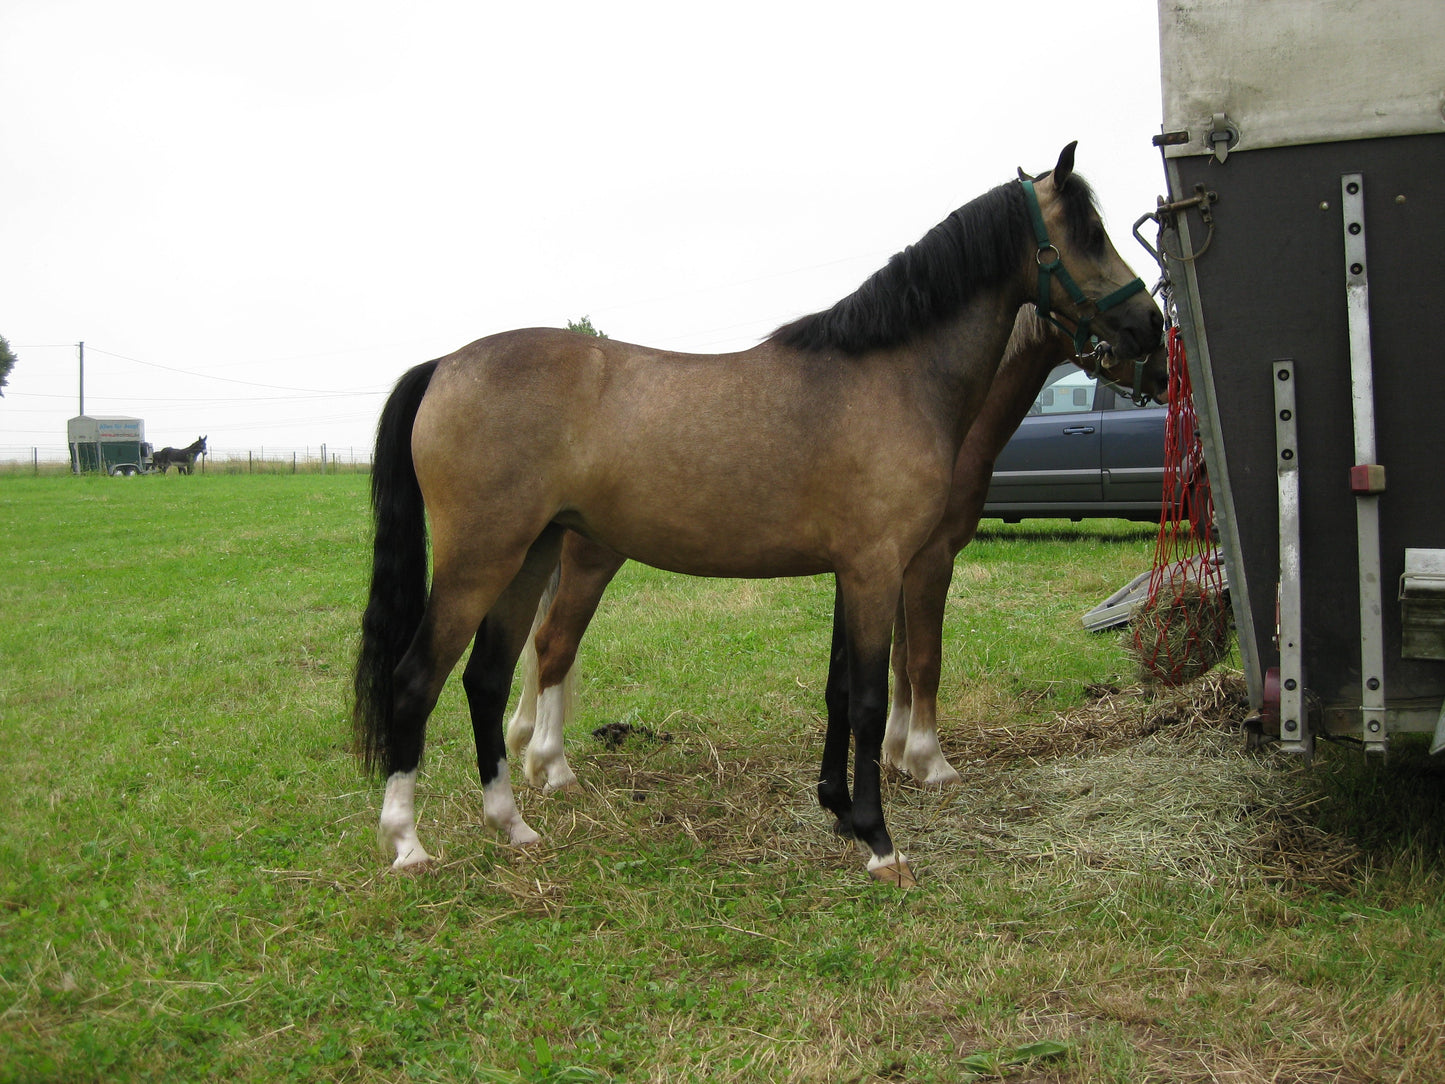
(1089, 308)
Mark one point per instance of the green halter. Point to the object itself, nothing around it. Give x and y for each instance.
(1088, 308)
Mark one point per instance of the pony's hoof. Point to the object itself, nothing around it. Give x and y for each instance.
(521, 835)
(894, 872)
(941, 774)
(412, 867)
(547, 774)
(560, 781)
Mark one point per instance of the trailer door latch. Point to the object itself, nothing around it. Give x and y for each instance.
(1222, 136)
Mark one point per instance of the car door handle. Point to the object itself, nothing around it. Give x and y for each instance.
(1077, 430)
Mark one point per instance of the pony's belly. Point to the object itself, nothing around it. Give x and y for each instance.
(703, 549)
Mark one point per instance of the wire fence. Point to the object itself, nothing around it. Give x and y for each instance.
(55, 459)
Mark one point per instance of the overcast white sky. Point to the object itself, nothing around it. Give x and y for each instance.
(258, 215)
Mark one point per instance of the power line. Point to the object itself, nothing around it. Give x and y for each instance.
(207, 401)
(223, 379)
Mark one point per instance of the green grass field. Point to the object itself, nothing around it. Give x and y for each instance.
(190, 886)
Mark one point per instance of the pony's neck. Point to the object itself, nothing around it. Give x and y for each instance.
(964, 355)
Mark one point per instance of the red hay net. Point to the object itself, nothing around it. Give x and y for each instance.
(1182, 629)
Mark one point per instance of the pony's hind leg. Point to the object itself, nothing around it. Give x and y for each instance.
(487, 680)
(524, 719)
(397, 828)
(418, 681)
(587, 568)
(457, 605)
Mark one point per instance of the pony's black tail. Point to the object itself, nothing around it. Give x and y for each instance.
(398, 571)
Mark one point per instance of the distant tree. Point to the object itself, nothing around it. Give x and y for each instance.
(584, 327)
(7, 362)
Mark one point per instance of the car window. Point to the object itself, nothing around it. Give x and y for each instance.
(1069, 390)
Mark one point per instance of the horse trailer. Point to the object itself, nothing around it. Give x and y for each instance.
(112, 445)
(1304, 150)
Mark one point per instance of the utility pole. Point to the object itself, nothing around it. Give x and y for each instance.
(82, 377)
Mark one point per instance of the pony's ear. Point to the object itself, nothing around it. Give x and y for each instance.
(1065, 165)
(1024, 176)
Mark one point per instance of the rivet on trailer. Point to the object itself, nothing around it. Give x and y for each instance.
(115, 446)
(1304, 148)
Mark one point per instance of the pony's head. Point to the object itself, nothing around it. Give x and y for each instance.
(1142, 380)
(1083, 284)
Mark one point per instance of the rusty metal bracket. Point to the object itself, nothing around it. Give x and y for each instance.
(1164, 214)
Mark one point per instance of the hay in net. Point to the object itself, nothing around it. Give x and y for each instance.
(1182, 630)
(1180, 633)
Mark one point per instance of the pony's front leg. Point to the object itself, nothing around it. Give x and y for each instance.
(868, 691)
(869, 617)
(857, 694)
(925, 597)
(895, 733)
(833, 792)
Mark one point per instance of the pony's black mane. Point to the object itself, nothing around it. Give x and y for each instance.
(975, 247)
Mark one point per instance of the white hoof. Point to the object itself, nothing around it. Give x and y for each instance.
(548, 771)
(521, 835)
(892, 869)
(559, 777)
(936, 772)
(414, 860)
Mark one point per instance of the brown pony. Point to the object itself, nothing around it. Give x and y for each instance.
(910, 740)
(829, 447)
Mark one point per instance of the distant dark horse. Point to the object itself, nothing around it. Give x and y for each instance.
(829, 447)
(180, 458)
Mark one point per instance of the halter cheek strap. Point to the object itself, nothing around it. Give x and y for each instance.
(1051, 265)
